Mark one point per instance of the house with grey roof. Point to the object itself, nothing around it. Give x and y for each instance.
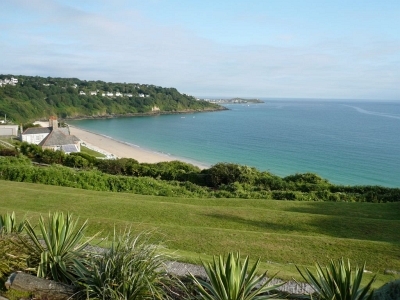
(35, 135)
(58, 140)
(52, 137)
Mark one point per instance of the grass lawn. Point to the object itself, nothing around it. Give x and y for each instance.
(281, 233)
(91, 152)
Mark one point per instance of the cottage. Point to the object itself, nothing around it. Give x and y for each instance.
(35, 135)
(52, 137)
(58, 140)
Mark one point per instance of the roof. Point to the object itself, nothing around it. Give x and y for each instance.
(37, 130)
(58, 138)
(69, 148)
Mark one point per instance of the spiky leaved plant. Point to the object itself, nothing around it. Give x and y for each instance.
(232, 279)
(9, 224)
(60, 245)
(336, 281)
(132, 268)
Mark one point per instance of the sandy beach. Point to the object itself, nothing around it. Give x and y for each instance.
(115, 148)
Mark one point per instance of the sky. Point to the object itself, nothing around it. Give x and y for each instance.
(251, 48)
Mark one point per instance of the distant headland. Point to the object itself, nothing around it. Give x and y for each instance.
(233, 101)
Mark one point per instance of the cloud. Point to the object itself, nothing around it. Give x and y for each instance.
(126, 45)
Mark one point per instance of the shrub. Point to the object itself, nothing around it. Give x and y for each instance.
(336, 282)
(231, 279)
(62, 247)
(8, 224)
(131, 269)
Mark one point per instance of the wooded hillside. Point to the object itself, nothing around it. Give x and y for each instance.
(38, 97)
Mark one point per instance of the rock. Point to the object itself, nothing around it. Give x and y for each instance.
(390, 272)
(389, 291)
(42, 288)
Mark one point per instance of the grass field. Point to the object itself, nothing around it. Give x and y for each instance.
(91, 152)
(281, 233)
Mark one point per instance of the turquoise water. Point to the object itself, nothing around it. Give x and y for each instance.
(347, 142)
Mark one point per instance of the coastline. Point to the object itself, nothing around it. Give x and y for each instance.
(146, 114)
(113, 148)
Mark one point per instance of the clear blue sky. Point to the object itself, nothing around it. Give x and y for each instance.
(249, 48)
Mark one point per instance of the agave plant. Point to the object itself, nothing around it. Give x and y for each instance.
(59, 247)
(8, 224)
(131, 269)
(336, 282)
(232, 279)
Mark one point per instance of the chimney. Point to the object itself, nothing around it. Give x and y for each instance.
(53, 122)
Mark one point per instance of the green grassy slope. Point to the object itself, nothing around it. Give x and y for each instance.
(280, 232)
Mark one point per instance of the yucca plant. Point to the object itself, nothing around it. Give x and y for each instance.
(336, 281)
(132, 268)
(60, 245)
(232, 279)
(9, 224)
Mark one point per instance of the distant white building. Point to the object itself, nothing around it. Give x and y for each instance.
(82, 93)
(118, 94)
(13, 81)
(141, 95)
(8, 130)
(128, 95)
(109, 94)
(93, 93)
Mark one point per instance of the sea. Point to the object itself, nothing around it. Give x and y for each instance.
(349, 142)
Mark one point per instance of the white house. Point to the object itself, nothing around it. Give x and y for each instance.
(82, 93)
(109, 94)
(35, 135)
(93, 93)
(141, 95)
(58, 140)
(52, 137)
(118, 94)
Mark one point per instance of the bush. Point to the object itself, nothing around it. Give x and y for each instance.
(231, 279)
(61, 249)
(336, 282)
(8, 224)
(131, 269)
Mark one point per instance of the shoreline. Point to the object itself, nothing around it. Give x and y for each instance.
(114, 148)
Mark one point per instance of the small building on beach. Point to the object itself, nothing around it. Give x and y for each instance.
(52, 137)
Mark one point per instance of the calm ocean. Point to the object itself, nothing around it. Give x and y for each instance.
(346, 142)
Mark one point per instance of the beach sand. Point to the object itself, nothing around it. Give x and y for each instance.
(115, 148)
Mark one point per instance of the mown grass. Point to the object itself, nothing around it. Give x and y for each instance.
(91, 152)
(281, 233)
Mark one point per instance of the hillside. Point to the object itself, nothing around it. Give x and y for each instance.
(28, 98)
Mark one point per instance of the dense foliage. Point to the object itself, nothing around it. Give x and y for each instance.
(38, 97)
(223, 180)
